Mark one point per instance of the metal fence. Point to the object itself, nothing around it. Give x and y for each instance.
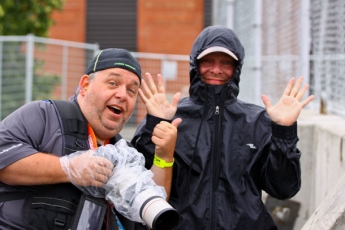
(282, 39)
(292, 38)
(33, 68)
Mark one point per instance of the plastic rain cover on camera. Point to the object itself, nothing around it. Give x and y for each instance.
(130, 183)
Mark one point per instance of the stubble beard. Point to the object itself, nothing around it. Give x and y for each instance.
(110, 129)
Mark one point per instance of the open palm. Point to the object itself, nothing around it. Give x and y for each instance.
(155, 99)
(290, 105)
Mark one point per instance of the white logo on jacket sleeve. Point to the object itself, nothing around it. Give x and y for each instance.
(252, 146)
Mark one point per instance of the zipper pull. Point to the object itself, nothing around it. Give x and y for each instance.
(217, 110)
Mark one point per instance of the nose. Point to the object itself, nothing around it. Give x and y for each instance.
(121, 93)
(216, 69)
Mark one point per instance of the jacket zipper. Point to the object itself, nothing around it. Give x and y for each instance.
(216, 165)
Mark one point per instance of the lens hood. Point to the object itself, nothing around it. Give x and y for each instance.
(159, 214)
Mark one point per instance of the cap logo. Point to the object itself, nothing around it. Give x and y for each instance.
(123, 64)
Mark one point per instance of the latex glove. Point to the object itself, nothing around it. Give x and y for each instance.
(87, 171)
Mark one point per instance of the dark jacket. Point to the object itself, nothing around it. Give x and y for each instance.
(227, 151)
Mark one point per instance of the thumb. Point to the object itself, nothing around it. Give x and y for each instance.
(176, 122)
(266, 101)
(176, 99)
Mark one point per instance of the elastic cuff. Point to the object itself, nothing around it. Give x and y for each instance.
(152, 121)
(284, 132)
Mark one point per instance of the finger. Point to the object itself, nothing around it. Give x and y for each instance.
(155, 140)
(307, 100)
(164, 130)
(150, 83)
(97, 184)
(105, 163)
(176, 122)
(100, 178)
(142, 96)
(159, 131)
(266, 101)
(301, 93)
(104, 171)
(160, 84)
(175, 100)
(289, 86)
(145, 89)
(297, 86)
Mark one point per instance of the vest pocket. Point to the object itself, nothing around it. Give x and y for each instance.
(50, 209)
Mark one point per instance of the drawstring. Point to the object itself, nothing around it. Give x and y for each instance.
(195, 145)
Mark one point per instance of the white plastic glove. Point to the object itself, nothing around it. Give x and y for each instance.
(87, 171)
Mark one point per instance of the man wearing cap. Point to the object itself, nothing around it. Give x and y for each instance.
(48, 148)
(227, 150)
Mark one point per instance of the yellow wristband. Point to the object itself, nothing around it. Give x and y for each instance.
(162, 163)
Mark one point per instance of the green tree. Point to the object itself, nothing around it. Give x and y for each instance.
(22, 17)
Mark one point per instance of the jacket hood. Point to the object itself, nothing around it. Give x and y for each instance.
(214, 36)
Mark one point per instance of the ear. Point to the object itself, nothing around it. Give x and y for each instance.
(84, 84)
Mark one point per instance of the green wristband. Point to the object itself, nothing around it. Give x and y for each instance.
(162, 163)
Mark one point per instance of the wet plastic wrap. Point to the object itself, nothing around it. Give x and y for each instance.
(130, 183)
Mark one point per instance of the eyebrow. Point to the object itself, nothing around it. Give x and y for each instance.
(121, 76)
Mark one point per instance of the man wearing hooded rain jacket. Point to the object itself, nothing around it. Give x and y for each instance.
(227, 150)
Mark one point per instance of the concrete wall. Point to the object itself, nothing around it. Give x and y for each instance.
(322, 143)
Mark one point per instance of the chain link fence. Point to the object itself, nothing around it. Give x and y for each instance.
(292, 38)
(33, 68)
(282, 39)
(327, 59)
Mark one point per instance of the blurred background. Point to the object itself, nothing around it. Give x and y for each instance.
(45, 46)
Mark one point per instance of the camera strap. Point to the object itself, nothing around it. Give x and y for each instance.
(113, 221)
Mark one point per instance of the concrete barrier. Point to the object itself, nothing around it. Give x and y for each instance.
(322, 145)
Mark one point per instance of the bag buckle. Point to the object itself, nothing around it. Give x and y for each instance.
(60, 219)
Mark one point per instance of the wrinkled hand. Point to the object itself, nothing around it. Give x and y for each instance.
(86, 169)
(288, 108)
(155, 99)
(164, 137)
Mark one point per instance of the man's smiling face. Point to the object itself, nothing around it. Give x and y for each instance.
(216, 68)
(109, 100)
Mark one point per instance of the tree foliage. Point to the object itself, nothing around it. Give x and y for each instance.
(22, 17)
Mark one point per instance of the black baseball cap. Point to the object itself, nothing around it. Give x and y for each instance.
(114, 58)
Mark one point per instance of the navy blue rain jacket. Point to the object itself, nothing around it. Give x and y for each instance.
(227, 151)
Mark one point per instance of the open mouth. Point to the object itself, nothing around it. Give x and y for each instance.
(115, 109)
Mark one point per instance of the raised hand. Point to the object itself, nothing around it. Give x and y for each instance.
(155, 99)
(164, 137)
(288, 108)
